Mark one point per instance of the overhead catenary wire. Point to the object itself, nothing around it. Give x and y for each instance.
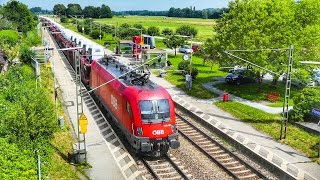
(254, 50)
(123, 74)
(251, 63)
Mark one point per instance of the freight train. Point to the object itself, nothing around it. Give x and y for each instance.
(144, 111)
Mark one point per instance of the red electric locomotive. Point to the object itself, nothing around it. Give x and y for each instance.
(143, 110)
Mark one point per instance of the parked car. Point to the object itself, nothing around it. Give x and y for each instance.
(185, 49)
(240, 77)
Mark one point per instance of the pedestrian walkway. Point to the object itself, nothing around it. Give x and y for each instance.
(291, 159)
(267, 109)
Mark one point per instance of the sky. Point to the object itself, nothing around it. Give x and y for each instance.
(121, 5)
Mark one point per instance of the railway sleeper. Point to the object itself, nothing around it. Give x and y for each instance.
(236, 167)
(212, 148)
(227, 160)
(249, 176)
(190, 132)
(165, 169)
(246, 171)
(231, 163)
(207, 146)
(201, 139)
(221, 156)
(185, 128)
(203, 142)
(215, 152)
(170, 174)
(161, 165)
(174, 178)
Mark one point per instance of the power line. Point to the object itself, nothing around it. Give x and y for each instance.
(254, 50)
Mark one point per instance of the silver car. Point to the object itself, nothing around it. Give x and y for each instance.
(185, 49)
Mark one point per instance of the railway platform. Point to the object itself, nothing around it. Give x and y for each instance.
(296, 164)
(105, 152)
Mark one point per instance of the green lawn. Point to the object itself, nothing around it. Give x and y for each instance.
(205, 75)
(270, 124)
(204, 26)
(250, 92)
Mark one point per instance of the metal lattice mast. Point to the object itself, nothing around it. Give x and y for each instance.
(285, 112)
(79, 102)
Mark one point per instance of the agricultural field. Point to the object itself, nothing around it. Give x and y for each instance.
(204, 26)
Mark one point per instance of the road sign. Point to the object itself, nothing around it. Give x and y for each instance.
(185, 57)
(315, 112)
(83, 122)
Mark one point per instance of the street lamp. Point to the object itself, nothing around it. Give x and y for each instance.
(100, 28)
(188, 79)
(90, 25)
(82, 25)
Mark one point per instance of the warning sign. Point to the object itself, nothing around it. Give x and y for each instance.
(83, 123)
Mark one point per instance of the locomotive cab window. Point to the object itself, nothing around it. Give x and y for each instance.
(155, 111)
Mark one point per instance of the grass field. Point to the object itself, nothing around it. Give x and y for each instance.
(204, 26)
(249, 91)
(297, 138)
(205, 75)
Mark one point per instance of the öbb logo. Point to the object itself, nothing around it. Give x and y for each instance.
(157, 132)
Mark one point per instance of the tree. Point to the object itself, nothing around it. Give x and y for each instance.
(257, 24)
(139, 26)
(153, 31)
(5, 24)
(74, 9)
(20, 15)
(89, 11)
(306, 100)
(59, 9)
(124, 31)
(105, 11)
(186, 30)
(308, 12)
(95, 34)
(204, 14)
(36, 10)
(167, 32)
(173, 42)
(210, 51)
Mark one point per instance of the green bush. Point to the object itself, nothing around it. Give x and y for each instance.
(309, 98)
(16, 163)
(26, 54)
(9, 37)
(184, 66)
(27, 120)
(153, 31)
(63, 19)
(32, 38)
(95, 34)
(187, 30)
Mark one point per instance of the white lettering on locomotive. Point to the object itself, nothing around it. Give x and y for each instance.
(157, 132)
(114, 102)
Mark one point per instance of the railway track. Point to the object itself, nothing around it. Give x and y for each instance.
(164, 168)
(224, 158)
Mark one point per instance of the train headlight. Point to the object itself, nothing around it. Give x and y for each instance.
(174, 128)
(139, 131)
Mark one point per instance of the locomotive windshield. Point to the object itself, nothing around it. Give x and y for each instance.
(155, 111)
